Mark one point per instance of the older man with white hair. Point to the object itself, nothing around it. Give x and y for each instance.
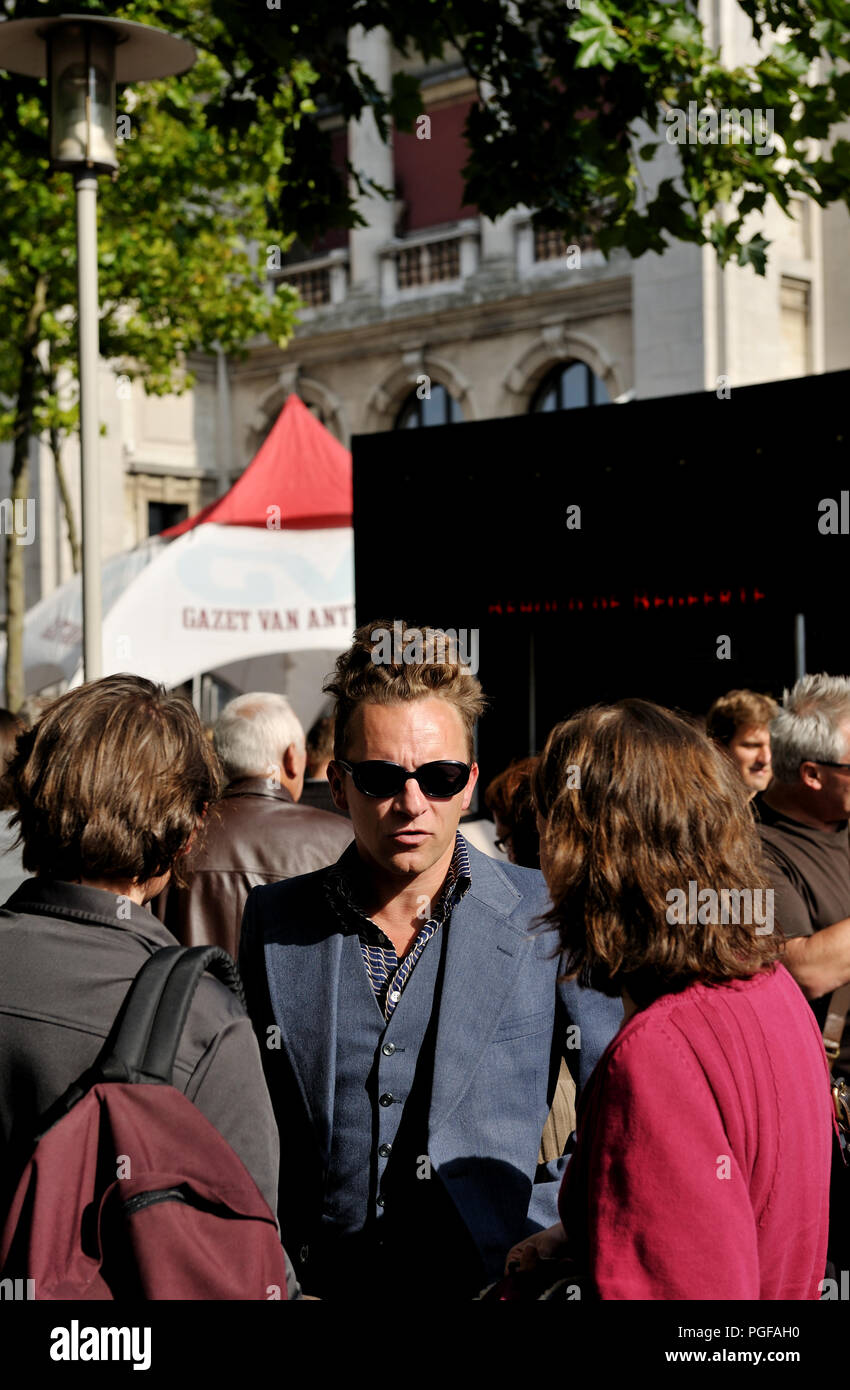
(804, 817)
(257, 833)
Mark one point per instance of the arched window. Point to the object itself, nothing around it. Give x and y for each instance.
(437, 408)
(569, 386)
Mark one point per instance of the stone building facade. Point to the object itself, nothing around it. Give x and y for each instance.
(433, 312)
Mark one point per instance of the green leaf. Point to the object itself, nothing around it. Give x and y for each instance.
(599, 43)
(406, 100)
(754, 253)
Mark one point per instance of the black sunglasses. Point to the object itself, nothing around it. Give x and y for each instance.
(439, 780)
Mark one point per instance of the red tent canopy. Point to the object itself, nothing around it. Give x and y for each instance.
(300, 468)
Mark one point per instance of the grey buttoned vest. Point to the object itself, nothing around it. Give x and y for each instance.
(379, 1180)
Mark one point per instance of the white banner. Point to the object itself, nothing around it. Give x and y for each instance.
(53, 628)
(220, 594)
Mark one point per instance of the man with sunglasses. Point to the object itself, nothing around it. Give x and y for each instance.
(804, 817)
(411, 1022)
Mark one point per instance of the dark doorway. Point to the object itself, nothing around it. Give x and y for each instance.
(161, 515)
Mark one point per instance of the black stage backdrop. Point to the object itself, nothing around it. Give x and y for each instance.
(702, 537)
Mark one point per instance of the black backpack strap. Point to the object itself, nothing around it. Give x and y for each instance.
(123, 1053)
(177, 996)
(136, 1015)
(144, 1043)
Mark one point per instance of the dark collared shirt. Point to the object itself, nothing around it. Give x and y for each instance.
(388, 974)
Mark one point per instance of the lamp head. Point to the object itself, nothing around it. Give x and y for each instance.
(81, 67)
(83, 56)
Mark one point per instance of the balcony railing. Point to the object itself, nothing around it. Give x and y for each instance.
(549, 243)
(428, 265)
(320, 281)
(314, 286)
(430, 261)
(540, 249)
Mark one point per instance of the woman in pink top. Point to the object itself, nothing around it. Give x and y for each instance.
(704, 1135)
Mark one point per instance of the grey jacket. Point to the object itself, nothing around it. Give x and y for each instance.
(67, 960)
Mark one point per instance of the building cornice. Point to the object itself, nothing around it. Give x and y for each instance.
(142, 467)
(461, 315)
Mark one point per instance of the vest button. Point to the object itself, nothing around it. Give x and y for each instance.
(388, 1049)
(385, 1150)
(387, 1098)
(380, 1201)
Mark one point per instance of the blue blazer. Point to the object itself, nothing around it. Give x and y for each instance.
(504, 1023)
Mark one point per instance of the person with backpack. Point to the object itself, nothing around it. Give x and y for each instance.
(111, 787)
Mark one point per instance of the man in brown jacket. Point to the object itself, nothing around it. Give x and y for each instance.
(257, 833)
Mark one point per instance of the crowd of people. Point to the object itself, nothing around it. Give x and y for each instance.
(582, 1067)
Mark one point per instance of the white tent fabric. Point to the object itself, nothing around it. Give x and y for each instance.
(219, 594)
(214, 596)
(53, 628)
(297, 675)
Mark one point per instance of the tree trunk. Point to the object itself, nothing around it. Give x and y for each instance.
(15, 596)
(67, 505)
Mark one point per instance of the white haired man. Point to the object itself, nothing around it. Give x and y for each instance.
(257, 833)
(804, 818)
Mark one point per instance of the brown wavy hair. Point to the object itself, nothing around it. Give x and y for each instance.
(360, 678)
(111, 782)
(658, 806)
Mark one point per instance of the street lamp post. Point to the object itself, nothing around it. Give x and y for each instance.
(83, 56)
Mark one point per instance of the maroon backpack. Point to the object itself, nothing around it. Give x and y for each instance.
(130, 1192)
